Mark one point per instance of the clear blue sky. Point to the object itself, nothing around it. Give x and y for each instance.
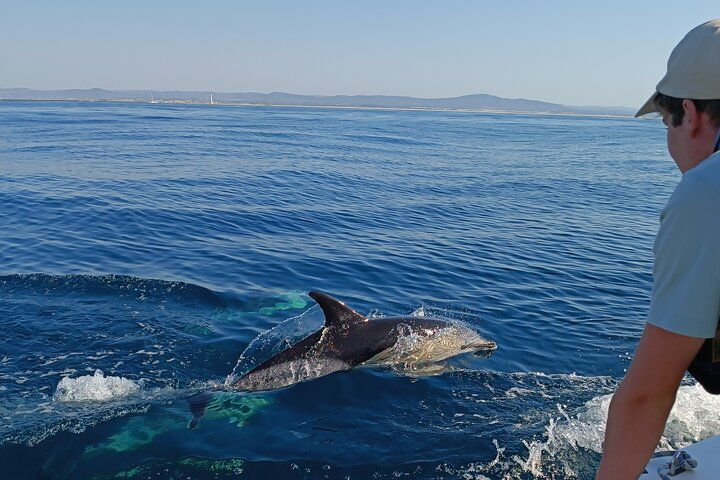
(609, 52)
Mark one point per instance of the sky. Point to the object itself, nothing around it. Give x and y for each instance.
(573, 52)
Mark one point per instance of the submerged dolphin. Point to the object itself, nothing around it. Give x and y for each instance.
(349, 339)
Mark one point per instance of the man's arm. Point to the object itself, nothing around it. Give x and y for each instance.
(642, 402)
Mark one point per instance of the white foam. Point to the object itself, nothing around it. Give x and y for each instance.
(95, 387)
(695, 416)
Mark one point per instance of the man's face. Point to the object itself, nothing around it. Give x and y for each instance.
(693, 140)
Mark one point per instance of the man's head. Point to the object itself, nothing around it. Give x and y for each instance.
(693, 70)
(688, 96)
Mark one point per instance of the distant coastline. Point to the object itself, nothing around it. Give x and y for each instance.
(469, 103)
(340, 107)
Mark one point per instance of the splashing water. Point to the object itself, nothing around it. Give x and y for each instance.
(275, 340)
(570, 436)
(96, 387)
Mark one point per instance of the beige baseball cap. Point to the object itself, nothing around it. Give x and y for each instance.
(693, 69)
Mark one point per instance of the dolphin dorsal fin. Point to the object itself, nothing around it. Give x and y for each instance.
(336, 312)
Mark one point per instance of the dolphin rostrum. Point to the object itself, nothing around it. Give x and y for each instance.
(349, 339)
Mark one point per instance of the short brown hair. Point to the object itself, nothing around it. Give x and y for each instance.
(673, 107)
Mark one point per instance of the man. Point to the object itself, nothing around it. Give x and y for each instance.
(685, 305)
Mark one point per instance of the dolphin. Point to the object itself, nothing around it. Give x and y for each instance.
(348, 339)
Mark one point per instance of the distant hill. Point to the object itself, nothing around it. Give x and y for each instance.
(466, 102)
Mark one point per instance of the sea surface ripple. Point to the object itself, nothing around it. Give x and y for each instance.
(144, 246)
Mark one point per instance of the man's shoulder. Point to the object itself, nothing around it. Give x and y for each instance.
(699, 186)
(707, 172)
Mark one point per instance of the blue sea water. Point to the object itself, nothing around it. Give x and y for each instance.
(144, 246)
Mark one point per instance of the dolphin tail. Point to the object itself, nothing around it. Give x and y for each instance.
(198, 404)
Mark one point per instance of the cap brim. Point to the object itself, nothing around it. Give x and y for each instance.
(648, 107)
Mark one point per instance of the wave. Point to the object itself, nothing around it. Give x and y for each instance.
(122, 286)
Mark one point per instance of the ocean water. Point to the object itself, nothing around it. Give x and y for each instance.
(143, 247)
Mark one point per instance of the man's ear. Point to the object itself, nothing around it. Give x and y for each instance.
(691, 118)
